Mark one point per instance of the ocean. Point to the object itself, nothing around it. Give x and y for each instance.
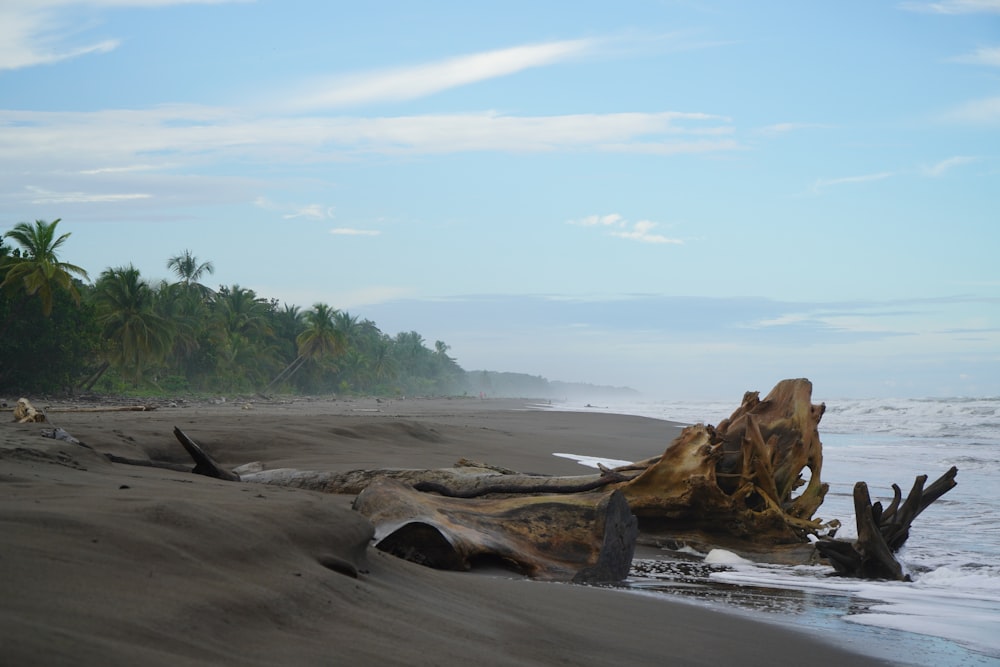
(950, 613)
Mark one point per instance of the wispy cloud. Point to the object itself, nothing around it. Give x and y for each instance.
(350, 231)
(42, 196)
(85, 152)
(312, 211)
(976, 112)
(824, 183)
(954, 7)
(985, 55)
(81, 140)
(125, 169)
(37, 32)
(778, 129)
(642, 231)
(294, 211)
(611, 219)
(673, 147)
(619, 227)
(411, 82)
(944, 166)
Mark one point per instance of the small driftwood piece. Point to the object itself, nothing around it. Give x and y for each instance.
(58, 433)
(204, 464)
(882, 532)
(25, 412)
(581, 537)
(108, 408)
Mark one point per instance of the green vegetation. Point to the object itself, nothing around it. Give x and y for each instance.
(124, 334)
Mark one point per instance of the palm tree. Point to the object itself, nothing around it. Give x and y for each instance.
(320, 339)
(38, 271)
(188, 315)
(446, 371)
(187, 268)
(240, 310)
(242, 337)
(382, 363)
(127, 313)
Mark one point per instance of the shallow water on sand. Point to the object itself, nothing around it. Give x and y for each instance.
(950, 613)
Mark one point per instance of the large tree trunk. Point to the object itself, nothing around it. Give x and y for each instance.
(92, 380)
(580, 537)
(286, 373)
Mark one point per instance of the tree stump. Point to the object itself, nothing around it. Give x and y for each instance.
(881, 533)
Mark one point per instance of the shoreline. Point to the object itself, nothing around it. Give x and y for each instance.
(112, 564)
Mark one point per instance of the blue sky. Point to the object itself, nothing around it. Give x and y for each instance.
(692, 198)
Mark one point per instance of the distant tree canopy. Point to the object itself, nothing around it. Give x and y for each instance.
(124, 333)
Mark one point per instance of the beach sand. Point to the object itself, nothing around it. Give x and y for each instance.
(111, 564)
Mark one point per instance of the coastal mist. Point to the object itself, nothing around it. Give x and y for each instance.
(949, 612)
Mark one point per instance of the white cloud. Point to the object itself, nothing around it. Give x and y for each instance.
(122, 170)
(407, 83)
(778, 129)
(673, 147)
(977, 112)
(91, 140)
(986, 55)
(641, 231)
(43, 196)
(598, 220)
(350, 231)
(313, 211)
(85, 152)
(943, 166)
(824, 183)
(954, 7)
(35, 32)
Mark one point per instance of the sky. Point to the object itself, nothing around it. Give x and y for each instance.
(689, 198)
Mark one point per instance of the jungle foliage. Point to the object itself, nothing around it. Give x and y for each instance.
(122, 333)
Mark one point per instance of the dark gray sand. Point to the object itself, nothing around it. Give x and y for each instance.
(109, 564)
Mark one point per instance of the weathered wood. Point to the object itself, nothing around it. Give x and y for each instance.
(740, 478)
(25, 412)
(881, 533)
(58, 433)
(581, 537)
(107, 408)
(204, 464)
(484, 485)
(465, 480)
(743, 480)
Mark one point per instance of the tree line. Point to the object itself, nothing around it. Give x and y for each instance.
(122, 333)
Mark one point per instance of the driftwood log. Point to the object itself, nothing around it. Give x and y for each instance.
(881, 532)
(579, 537)
(25, 412)
(743, 477)
(754, 479)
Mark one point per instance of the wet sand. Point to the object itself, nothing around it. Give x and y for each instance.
(110, 564)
